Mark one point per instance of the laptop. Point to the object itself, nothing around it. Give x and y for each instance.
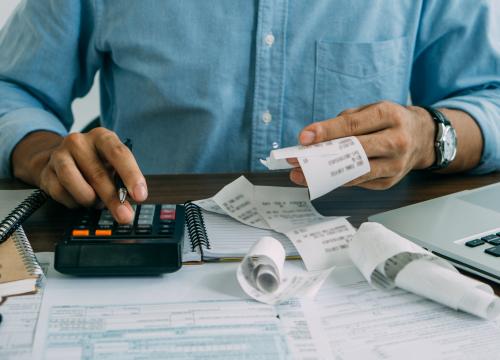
(463, 228)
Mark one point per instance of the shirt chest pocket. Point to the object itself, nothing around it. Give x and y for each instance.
(353, 74)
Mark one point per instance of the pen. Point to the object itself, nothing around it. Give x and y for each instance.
(122, 189)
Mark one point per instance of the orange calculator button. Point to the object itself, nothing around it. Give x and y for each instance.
(103, 232)
(80, 232)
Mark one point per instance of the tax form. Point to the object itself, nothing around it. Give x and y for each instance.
(356, 321)
(199, 313)
(208, 315)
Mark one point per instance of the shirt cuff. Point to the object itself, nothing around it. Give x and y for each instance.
(15, 125)
(478, 110)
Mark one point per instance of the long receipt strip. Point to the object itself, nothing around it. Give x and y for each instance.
(387, 260)
(260, 275)
(326, 165)
(384, 258)
(321, 241)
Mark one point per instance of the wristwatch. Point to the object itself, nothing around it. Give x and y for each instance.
(446, 140)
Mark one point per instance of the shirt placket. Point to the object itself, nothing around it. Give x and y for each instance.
(267, 115)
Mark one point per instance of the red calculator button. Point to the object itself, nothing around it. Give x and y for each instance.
(80, 232)
(167, 215)
(103, 232)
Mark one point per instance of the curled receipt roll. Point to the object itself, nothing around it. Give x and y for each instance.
(260, 275)
(387, 260)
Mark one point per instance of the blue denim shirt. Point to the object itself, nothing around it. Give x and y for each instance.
(212, 86)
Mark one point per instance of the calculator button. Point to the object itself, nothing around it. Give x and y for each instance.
(166, 231)
(474, 243)
(124, 231)
(103, 232)
(167, 225)
(147, 209)
(167, 207)
(167, 215)
(143, 231)
(79, 232)
(495, 251)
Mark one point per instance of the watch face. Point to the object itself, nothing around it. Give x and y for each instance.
(450, 144)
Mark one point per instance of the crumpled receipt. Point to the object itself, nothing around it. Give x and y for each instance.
(326, 165)
(261, 277)
(387, 260)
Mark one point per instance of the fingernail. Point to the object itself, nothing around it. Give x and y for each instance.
(307, 137)
(140, 192)
(124, 215)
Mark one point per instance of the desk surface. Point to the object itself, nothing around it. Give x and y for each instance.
(47, 225)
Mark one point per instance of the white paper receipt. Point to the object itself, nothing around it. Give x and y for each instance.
(326, 165)
(386, 260)
(261, 277)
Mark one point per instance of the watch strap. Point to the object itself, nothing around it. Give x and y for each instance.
(439, 118)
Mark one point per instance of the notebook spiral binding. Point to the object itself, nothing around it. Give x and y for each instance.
(26, 252)
(196, 227)
(17, 216)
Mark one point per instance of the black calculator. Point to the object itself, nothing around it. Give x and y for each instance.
(96, 245)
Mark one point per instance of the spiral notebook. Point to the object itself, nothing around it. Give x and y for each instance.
(215, 237)
(19, 269)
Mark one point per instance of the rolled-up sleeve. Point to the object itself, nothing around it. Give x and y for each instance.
(457, 66)
(47, 59)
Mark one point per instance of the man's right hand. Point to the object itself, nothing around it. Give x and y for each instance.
(78, 169)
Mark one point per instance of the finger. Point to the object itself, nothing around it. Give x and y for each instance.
(379, 168)
(71, 178)
(51, 185)
(354, 109)
(121, 159)
(297, 176)
(293, 162)
(378, 144)
(100, 179)
(363, 122)
(380, 183)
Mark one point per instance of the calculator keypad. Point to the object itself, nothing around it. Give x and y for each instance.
(150, 221)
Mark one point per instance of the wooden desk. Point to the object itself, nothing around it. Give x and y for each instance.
(46, 227)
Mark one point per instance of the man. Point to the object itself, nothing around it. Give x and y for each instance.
(205, 86)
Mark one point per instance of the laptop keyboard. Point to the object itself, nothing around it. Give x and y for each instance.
(492, 239)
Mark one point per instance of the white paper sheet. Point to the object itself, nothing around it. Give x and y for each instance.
(199, 312)
(261, 276)
(359, 322)
(326, 165)
(386, 260)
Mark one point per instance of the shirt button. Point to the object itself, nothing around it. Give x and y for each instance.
(267, 117)
(269, 39)
(275, 145)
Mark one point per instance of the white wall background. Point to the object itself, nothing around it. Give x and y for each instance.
(84, 109)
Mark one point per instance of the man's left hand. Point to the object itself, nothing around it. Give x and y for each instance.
(396, 139)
